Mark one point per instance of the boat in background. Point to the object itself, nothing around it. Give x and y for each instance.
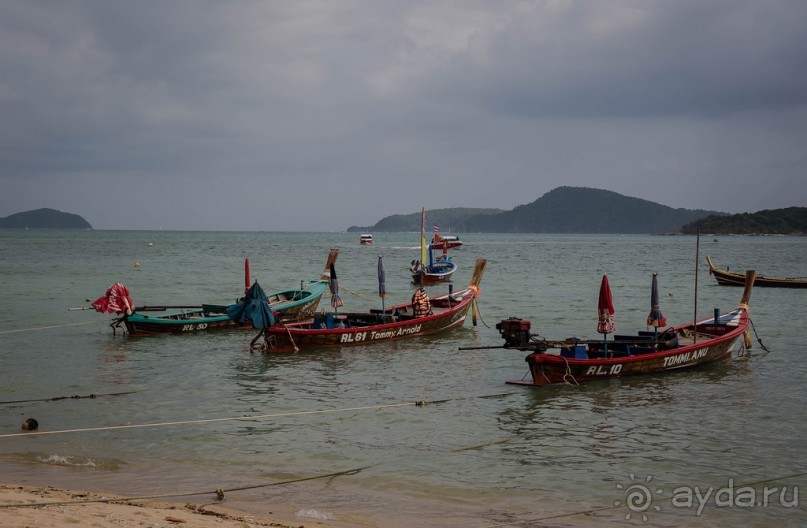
(438, 269)
(288, 305)
(420, 317)
(366, 239)
(447, 241)
(729, 278)
(679, 347)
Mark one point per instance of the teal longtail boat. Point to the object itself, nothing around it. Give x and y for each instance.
(288, 305)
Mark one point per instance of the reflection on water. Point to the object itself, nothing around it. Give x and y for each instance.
(562, 436)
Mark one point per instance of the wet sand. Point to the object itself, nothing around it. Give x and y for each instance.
(58, 508)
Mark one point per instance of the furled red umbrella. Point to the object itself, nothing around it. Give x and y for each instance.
(655, 319)
(382, 279)
(115, 300)
(336, 301)
(605, 309)
(246, 275)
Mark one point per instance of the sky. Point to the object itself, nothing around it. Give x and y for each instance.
(317, 115)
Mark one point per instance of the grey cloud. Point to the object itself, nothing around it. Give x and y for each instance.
(485, 105)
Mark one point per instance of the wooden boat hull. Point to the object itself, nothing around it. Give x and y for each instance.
(289, 305)
(715, 343)
(373, 327)
(426, 278)
(440, 270)
(447, 244)
(681, 347)
(728, 278)
(138, 324)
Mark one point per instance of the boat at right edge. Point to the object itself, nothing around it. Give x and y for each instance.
(679, 347)
(729, 278)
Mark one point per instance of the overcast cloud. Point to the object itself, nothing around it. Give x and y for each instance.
(318, 115)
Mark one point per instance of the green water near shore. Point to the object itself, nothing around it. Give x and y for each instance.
(488, 454)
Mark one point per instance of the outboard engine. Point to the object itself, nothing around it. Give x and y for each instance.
(514, 331)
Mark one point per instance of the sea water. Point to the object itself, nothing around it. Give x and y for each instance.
(439, 438)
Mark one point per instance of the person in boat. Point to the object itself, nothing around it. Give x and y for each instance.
(421, 305)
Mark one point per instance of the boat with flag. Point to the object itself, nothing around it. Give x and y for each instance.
(675, 348)
(730, 278)
(423, 316)
(289, 304)
(431, 269)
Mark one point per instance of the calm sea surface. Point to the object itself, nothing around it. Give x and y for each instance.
(480, 453)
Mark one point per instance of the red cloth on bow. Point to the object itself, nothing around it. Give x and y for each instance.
(115, 300)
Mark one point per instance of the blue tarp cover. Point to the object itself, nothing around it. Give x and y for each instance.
(253, 307)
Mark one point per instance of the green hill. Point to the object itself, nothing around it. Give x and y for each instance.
(585, 210)
(562, 210)
(787, 221)
(44, 219)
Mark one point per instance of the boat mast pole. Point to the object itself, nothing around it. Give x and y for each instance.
(697, 259)
(423, 240)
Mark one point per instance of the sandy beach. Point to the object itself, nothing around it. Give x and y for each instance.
(61, 508)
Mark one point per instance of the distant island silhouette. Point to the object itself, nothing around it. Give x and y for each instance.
(562, 210)
(44, 219)
(592, 211)
(787, 221)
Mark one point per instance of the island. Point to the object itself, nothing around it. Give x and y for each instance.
(786, 221)
(44, 219)
(562, 210)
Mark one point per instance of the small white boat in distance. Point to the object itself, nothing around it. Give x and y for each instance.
(366, 239)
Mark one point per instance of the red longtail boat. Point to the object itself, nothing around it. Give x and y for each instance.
(402, 321)
(676, 348)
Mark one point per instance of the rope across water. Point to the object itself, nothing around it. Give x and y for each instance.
(242, 418)
(46, 327)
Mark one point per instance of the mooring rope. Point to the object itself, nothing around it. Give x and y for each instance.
(479, 313)
(759, 339)
(219, 492)
(46, 327)
(74, 397)
(208, 420)
(420, 403)
(743, 351)
(356, 294)
(568, 373)
(291, 338)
